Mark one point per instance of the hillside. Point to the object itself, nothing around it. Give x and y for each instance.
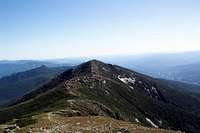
(98, 89)
(20, 83)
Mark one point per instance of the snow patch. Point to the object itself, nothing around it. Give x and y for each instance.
(154, 89)
(147, 90)
(136, 119)
(127, 80)
(150, 122)
(104, 81)
(131, 87)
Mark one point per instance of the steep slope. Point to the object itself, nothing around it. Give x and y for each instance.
(20, 83)
(94, 88)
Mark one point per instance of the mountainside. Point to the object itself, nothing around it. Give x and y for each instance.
(20, 83)
(97, 89)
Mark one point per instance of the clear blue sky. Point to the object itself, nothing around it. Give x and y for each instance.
(40, 29)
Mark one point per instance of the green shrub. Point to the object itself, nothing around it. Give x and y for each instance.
(25, 121)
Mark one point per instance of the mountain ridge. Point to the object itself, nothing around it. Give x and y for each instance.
(95, 88)
(17, 84)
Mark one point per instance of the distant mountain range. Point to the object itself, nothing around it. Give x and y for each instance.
(182, 67)
(172, 66)
(9, 67)
(94, 89)
(185, 73)
(20, 83)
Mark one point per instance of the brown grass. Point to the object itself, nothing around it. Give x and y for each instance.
(52, 123)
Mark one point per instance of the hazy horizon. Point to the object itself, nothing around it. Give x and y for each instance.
(49, 29)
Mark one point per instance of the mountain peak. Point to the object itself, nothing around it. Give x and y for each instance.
(91, 67)
(96, 66)
(40, 68)
(43, 66)
(95, 61)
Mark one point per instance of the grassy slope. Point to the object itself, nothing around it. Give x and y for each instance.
(18, 84)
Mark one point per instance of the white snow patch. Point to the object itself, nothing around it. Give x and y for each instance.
(131, 87)
(140, 82)
(154, 89)
(147, 90)
(104, 81)
(136, 119)
(150, 122)
(127, 80)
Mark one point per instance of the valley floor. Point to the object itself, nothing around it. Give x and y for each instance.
(53, 123)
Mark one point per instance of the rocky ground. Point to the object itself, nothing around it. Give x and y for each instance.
(54, 123)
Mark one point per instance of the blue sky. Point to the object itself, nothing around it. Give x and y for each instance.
(41, 29)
